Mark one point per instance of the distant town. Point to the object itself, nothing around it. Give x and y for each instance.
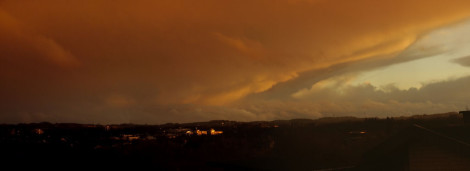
(338, 143)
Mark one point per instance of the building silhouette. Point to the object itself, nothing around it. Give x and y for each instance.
(466, 116)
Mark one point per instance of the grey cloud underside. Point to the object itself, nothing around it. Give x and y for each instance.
(464, 61)
(360, 101)
(305, 80)
(367, 101)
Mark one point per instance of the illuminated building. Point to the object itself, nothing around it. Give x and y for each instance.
(189, 133)
(130, 137)
(214, 132)
(357, 132)
(39, 131)
(107, 128)
(171, 136)
(199, 132)
(149, 137)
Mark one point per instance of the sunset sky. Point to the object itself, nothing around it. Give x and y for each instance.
(159, 61)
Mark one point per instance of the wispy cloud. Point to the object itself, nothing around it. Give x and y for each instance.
(95, 58)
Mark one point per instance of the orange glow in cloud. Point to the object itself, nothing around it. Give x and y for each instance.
(208, 53)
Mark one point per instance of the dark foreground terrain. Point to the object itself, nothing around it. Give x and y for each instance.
(344, 143)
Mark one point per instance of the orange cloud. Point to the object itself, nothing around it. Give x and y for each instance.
(19, 42)
(205, 52)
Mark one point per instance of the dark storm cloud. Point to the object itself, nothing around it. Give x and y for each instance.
(114, 61)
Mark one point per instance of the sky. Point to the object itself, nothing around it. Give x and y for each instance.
(153, 62)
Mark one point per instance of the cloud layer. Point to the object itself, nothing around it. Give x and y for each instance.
(161, 61)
